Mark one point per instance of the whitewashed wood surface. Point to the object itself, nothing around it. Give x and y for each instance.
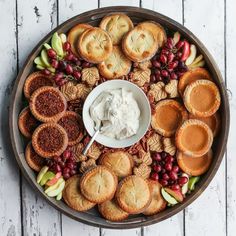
(22, 24)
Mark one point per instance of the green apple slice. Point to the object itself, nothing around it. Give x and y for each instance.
(192, 55)
(41, 173)
(59, 196)
(57, 44)
(44, 57)
(38, 61)
(48, 176)
(40, 67)
(184, 189)
(168, 197)
(192, 182)
(63, 37)
(56, 191)
(55, 186)
(47, 46)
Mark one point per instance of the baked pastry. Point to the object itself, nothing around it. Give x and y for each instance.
(82, 91)
(143, 170)
(140, 77)
(133, 194)
(90, 76)
(158, 203)
(120, 162)
(154, 143)
(194, 138)
(34, 81)
(169, 146)
(94, 45)
(98, 184)
(77, 152)
(172, 88)
(34, 161)
(87, 165)
(116, 65)
(143, 65)
(157, 91)
(110, 210)
(167, 117)
(27, 123)
(202, 98)
(49, 140)
(94, 151)
(194, 166)
(74, 34)
(73, 125)
(139, 44)
(73, 197)
(116, 25)
(47, 104)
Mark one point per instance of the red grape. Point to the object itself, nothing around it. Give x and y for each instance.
(66, 46)
(51, 53)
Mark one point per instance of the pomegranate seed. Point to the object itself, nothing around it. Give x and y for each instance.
(77, 74)
(66, 154)
(168, 166)
(62, 65)
(165, 176)
(69, 57)
(163, 59)
(156, 64)
(173, 175)
(153, 78)
(54, 63)
(46, 72)
(157, 168)
(175, 187)
(85, 64)
(51, 53)
(180, 44)
(69, 69)
(66, 46)
(175, 169)
(182, 180)
(154, 176)
(173, 75)
(163, 182)
(157, 157)
(164, 73)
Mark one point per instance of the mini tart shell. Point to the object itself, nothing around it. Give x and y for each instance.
(197, 129)
(89, 187)
(72, 120)
(110, 210)
(116, 25)
(34, 161)
(116, 65)
(212, 103)
(191, 76)
(74, 34)
(178, 115)
(49, 138)
(73, 197)
(35, 81)
(125, 197)
(27, 123)
(53, 95)
(88, 45)
(194, 166)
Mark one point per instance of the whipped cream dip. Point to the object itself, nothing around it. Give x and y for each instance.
(116, 112)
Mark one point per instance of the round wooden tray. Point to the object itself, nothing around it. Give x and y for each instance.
(92, 217)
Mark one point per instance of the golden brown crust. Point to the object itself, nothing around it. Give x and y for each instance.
(143, 170)
(90, 76)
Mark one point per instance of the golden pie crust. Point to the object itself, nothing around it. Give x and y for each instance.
(167, 117)
(90, 76)
(194, 138)
(73, 197)
(116, 65)
(143, 170)
(94, 45)
(194, 166)
(98, 184)
(116, 25)
(47, 104)
(140, 77)
(49, 140)
(158, 203)
(87, 165)
(133, 194)
(110, 210)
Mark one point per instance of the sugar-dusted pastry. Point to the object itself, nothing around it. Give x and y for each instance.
(90, 76)
(73, 125)
(120, 162)
(143, 170)
(27, 122)
(116, 25)
(202, 98)
(74, 34)
(34, 81)
(98, 184)
(47, 104)
(158, 203)
(133, 194)
(139, 44)
(116, 65)
(194, 138)
(49, 140)
(168, 116)
(140, 77)
(110, 210)
(73, 197)
(94, 45)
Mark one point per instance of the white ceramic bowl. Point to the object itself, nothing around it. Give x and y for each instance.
(144, 106)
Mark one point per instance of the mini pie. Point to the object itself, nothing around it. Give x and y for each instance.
(202, 98)
(192, 76)
(49, 140)
(73, 125)
(47, 104)
(98, 184)
(95, 45)
(194, 138)
(133, 194)
(194, 166)
(110, 210)
(90, 76)
(120, 162)
(139, 44)
(27, 123)
(34, 81)
(35, 161)
(116, 65)
(73, 197)
(116, 25)
(168, 116)
(158, 203)
(74, 34)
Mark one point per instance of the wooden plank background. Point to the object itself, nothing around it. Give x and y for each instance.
(22, 24)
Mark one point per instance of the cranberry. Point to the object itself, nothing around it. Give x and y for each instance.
(46, 72)
(175, 169)
(77, 74)
(153, 78)
(54, 63)
(154, 176)
(182, 180)
(165, 176)
(157, 168)
(69, 57)
(156, 64)
(69, 69)
(156, 157)
(163, 182)
(173, 75)
(173, 175)
(164, 73)
(175, 187)
(51, 53)
(66, 154)
(66, 46)
(163, 59)
(85, 64)
(168, 166)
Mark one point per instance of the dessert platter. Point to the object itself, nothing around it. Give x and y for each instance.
(119, 117)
